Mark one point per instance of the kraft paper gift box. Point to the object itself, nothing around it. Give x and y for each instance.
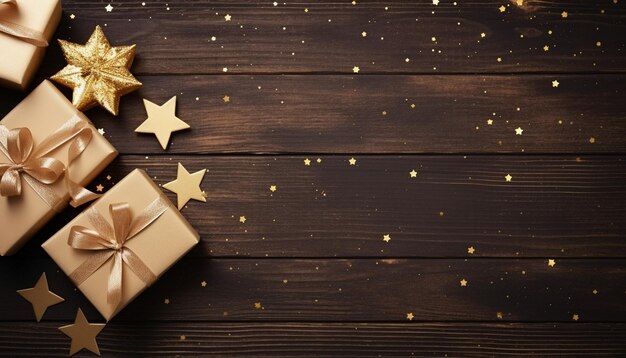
(45, 112)
(162, 242)
(19, 59)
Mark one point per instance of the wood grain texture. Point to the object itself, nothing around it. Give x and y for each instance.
(327, 340)
(557, 206)
(355, 290)
(373, 114)
(174, 37)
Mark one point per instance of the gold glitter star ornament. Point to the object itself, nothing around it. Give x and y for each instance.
(97, 72)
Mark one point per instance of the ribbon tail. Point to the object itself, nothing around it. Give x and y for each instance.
(138, 267)
(10, 184)
(114, 290)
(78, 193)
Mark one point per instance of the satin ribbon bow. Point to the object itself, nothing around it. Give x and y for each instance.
(23, 33)
(39, 170)
(109, 242)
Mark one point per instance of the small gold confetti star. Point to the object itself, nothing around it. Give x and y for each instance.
(482, 34)
(242, 219)
(183, 337)
(413, 173)
(99, 188)
(352, 161)
(592, 140)
(463, 282)
(551, 262)
(318, 160)
(518, 131)
(101, 131)
(502, 8)
(508, 177)
(520, 2)
(166, 301)
(108, 8)
(363, 33)
(227, 17)
(598, 43)
(546, 48)
(203, 283)
(226, 99)
(555, 83)
(410, 316)
(489, 122)
(413, 105)
(564, 14)
(575, 317)
(595, 292)
(257, 305)
(356, 69)
(72, 16)
(471, 250)
(499, 315)
(272, 188)
(386, 238)
(435, 2)
(307, 161)
(108, 177)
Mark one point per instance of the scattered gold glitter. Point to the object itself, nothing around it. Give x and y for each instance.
(318, 160)
(258, 305)
(592, 140)
(499, 315)
(183, 338)
(575, 317)
(166, 301)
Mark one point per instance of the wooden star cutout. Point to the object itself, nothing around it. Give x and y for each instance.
(40, 297)
(162, 121)
(83, 334)
(187, 186)
(97, 72)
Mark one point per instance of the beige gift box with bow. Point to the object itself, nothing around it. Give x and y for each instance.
(44, 111)
(19, 58)
(158, 245)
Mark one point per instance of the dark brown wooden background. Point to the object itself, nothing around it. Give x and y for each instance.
(312, 252)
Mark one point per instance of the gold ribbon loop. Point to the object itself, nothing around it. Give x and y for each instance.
(110, 242)
(23, 33)
(31, 163)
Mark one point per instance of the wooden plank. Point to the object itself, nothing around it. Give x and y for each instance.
(176, 37)
(327, 339)
(355, 290)
(554, 206)
(374, 114)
